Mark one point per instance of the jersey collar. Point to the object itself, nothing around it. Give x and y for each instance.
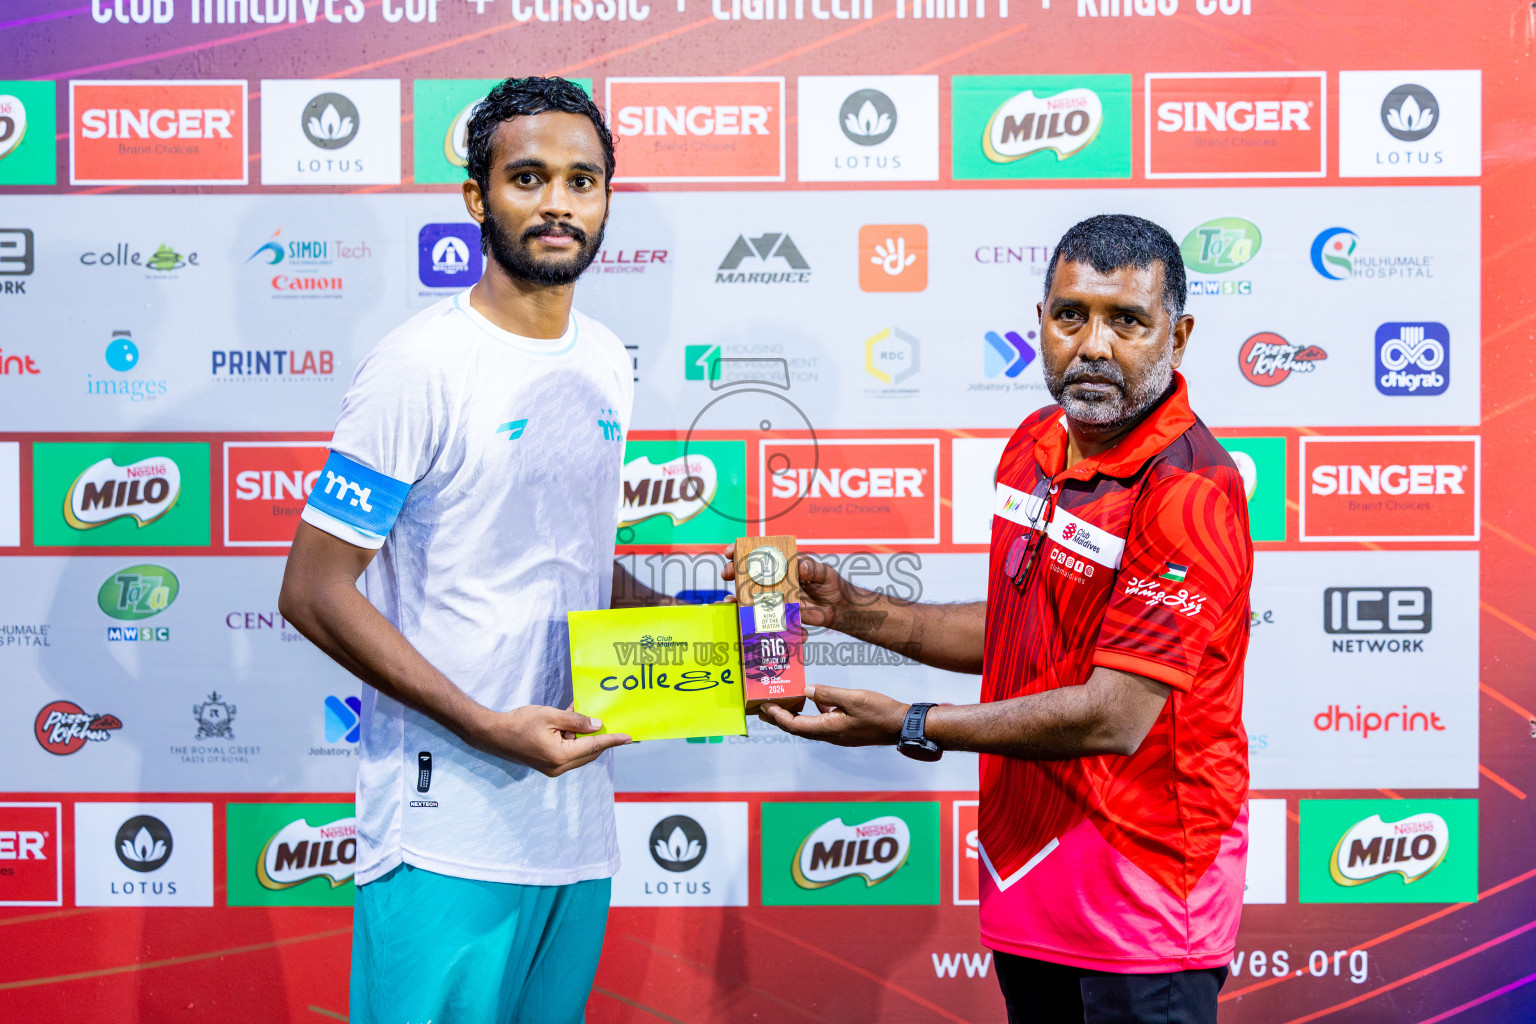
(1160, 429)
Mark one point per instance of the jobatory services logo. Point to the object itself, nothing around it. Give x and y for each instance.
(28, 151)
(1007, 354)
(698, 129)
(1267, 359)
(893, 258)
(874, 491)
(1409, 488)
(769, 258)
(850, 854)
(323, 132)
(143, 854)
(63, 727)
(449, 256)
(683, 493)
(266, 484)
(134, 494)
(1041, 126)
(1218, 247)
(1261, 462)
(343, 719)
(868, 128)
(31, 842)
(1388, 851)
(1413, 358)
(299, 855)
(681, 854)
(138, 592)
(1236, 125)
(157, 132)
(1410, 124)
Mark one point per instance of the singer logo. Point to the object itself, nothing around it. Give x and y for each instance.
(852, 492)
(157, 133)
(699, 129)
(1220, 125)
(31, 870)
(967, 888)
(1389, 488)
(265, 487)
(145, 490)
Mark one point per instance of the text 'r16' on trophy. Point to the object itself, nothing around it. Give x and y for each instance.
(767, 576)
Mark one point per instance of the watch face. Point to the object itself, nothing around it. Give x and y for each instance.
(766, 565)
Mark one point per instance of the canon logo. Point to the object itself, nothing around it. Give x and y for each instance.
(185, 123)
(1234, 116)
(880, 482)
(742, 119)
(1388, 479)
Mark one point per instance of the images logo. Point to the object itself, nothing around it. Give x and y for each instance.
(1267, 359)
(759, 251)
(343, 719)
(265, 486)
(1413, 359)
(1333, 253)
(157, 133)
(853, 491)
(1224, 125)
(1041, 126)
(678, 492)
(891, 356)
(28, 154)
(301, 855)
(842, 854)
(449, 256)
(742, 118)
(138, 592)
(1007, 354)
(313, 134)
(62, 727)
(893, 257)
(1388, 851)
(678, 843)
(1389, 488)
(1261, 463)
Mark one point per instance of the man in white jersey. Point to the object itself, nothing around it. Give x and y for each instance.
(474, 485)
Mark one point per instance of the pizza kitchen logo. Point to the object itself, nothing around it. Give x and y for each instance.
(144, 490)
(873, 850)
(63, 727)
(1267, 359)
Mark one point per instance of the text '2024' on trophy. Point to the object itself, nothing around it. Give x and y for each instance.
(767, 577)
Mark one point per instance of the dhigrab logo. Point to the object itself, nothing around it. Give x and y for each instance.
(1413, 358)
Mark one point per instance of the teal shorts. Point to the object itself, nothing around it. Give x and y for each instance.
(433, 948)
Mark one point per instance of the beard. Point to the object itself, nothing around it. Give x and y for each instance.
(515, 255)
(1107, 411)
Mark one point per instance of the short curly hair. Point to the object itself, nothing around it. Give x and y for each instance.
(1114, 240)
(523, 97)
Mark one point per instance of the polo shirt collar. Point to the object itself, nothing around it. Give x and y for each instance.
(1162, 426)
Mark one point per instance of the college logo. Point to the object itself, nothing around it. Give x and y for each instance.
(31, 868)
(266, 484)
(1267, 359)
(852, 492)
(449, 255)
(893, 257)
(1374, 611)
(163, 260)
(699, 129)
(1410, 123)
(1413, 358)
(694, 854)
(301, 855)
(891, 357)
(1389, 488)
(683, 493)
(1225, 125)
(1007, 354)
(62, 727)
(1042, 126)
(138, 592)
(849, 853)
(312, 133)
(1388, 851)
(157, 133)
(1260, 462)
(27, 147)
(776, 252)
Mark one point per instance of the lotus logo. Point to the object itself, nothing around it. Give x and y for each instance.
(456, 140)
(680, 488)
(1333, 252)
(678, 843)
(1372, 848)
(330, 120)
(1007, 354)
(1027, 124)
(873, 851)
(868, 117)
(143, 843)
(13, 124)
(1410, 112)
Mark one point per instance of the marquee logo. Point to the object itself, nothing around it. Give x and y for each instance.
(145, 490)
(679, 488)
(265, 487)
(138, 592)
(699, 129)
(878, 491)
(1390, 488)
(1413, 358)
(301, 851)
(157, 133)
(31, 867)
(774, 251)
(873, 850)
(1267, 359)
(63, 727)
(1233, 125)
(1062, 124)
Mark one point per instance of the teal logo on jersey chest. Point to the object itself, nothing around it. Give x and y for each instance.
(513, 429)
(612, 429)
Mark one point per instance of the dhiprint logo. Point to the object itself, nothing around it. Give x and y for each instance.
(1267, 359)
(330, 120)
(678, 843)
(63, 727)
(1333, 253)
(1413, 358)
(143, 843)
(449, 255)
(893, 257)
(314, 134)
(867, 117)
(1410, 113)
(343, 719)
(1007, 354)
(769, 250)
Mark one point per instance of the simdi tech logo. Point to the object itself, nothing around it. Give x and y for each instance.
(1388, 851)
(1262, 124)
(28, 151)
(442, 108)
(1402, 124)
(855, 491)
(868, 128)
(330, 132)
(893, 258)
(850, 854)
(266, 484)
(157, 133)
(297, 855)
(1406, 488)
(139, 494)
(306, 267)
(1040, 126)
(698, 129)
(31, 860)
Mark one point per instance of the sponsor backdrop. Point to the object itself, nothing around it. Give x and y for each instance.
(830, 228)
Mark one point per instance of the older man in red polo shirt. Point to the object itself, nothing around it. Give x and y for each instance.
(1114, 765)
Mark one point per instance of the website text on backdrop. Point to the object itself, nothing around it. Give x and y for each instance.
(474, 485)
(1114, 767)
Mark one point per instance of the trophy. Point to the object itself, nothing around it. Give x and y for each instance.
(767, 576)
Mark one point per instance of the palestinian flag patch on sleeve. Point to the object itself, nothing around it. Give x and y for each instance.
(1173, 572)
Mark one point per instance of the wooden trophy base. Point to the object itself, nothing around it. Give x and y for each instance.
(767, 584)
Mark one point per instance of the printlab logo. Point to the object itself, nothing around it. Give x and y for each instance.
(215, 718)
(143, 843)
(867, 117)
(1410, 112)
(1267, 359)
(330, 120)
(1413, 358)
(775, 252)
(893, 258)
(343, 719)
(449, 255)
(63, 727)
(678, 843)
(1007, 354)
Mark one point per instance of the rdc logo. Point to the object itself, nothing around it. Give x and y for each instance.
(1413, 359)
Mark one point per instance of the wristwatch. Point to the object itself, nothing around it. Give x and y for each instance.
(913, 742)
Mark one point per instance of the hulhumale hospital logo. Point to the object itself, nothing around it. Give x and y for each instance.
(1333, 252)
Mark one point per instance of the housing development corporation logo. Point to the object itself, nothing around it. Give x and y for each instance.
(157, 133)
(1413, 358)
(1388, 851)
(1226, 125)
(850, 854)
(317, 132)
(698, 129)
(1267, 359)
(1390, 488)
(1042, 126)
(63, 727)
(893, 258)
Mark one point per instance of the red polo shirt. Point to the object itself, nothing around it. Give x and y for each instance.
(1137, 559)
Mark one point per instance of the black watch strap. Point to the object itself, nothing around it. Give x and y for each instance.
(914, 741)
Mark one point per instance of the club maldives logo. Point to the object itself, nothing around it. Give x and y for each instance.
(1267, 359)
(1413, 358)
(63, 727)
(157, 133)
(1410, 112)
(678, 488)
(144, 490)
(699, 129)
(893, 258)
(301, 851)
(138, 592)
(678, 843)
(873, 850)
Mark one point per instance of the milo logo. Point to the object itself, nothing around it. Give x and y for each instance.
(1412, 847)
(1063, 123)
(679, 488)
(873, 850)
(138, 592)
(145, 490)
(301, 851)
